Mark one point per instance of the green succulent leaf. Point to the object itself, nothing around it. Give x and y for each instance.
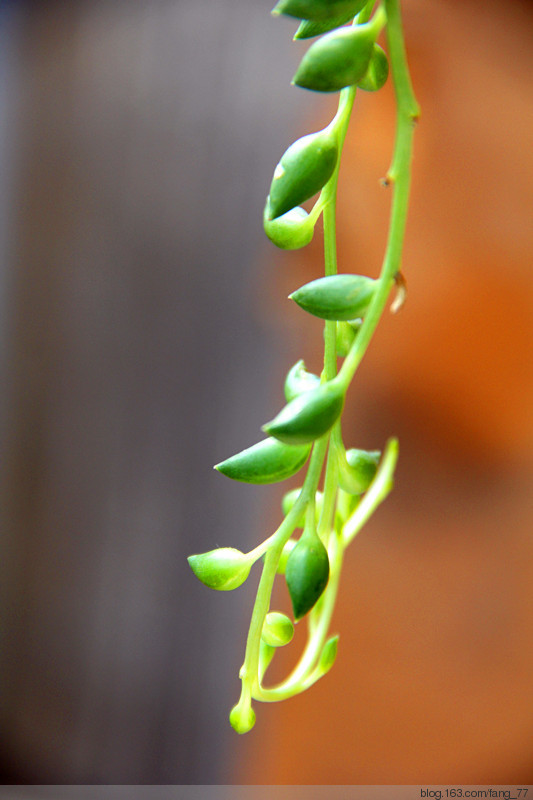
(336, 297)
(307, 573)
(298, 381)
(304, 168)
(309, 416)
(269, 461)
(377, 73)
(336, 60)
(309, 27)
(291, 231)
(224, 569)
(318, 9)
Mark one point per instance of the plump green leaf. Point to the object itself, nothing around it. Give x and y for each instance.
(338, 59)
(309, 27)
(307, 573)
(318, 9)
(377, 73)
(224, 568)
(309, 416)
(269, 461)
(336, 297)
(291, 231)
(304, 168)
(298, 381)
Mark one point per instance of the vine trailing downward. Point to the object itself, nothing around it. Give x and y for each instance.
(343, 58)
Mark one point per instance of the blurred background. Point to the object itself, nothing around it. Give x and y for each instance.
(145, 337)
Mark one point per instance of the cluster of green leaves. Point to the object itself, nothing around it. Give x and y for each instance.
(343, 58)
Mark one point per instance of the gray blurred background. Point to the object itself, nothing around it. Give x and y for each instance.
(137, 146)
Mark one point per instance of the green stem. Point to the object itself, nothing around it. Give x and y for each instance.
(330, 259)
(306, 671)
(301, 678)
(250, 668)
(399, 176)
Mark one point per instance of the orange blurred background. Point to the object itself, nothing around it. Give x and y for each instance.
(434, 680)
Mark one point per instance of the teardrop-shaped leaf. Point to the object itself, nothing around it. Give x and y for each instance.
(269, 461)
(336, 60)
(298, 381)
(309, 27)
(318, 9)
(336, 297)
(304, 168)
(224, 569)
(307, 573)
(309, 416)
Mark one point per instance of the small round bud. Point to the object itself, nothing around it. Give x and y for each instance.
(291, 231)
(242, 718)
(224, 569)
(278, 629)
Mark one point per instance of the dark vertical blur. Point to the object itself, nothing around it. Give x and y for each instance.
(135, 135)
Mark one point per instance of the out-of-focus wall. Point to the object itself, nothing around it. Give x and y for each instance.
(141, 141)
(146, 339)
(433, 680)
